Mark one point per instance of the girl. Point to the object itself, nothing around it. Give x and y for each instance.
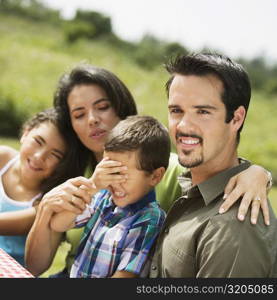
(91, 101)
(26, 175)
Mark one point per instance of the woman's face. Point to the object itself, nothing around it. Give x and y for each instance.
(92, 116)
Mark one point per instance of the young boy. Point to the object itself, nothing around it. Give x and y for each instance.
(123, 219)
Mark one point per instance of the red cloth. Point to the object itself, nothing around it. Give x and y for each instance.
(10, 268)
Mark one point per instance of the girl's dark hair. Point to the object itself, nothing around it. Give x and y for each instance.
(84, 74)
(67, 167)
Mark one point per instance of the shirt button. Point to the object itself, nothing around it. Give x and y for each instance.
(166, 230)
(154, 268)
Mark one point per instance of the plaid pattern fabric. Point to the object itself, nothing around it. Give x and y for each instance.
(10, 268)
(115, 238)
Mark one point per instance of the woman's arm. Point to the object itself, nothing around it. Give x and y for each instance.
(42, 242)
(17, 222)
(63, 221)
(252, 185)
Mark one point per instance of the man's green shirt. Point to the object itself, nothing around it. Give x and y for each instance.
(197, 241)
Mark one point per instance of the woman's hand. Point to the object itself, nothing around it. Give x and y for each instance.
(72, 195)
(251, 185)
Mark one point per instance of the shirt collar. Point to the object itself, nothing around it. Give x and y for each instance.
(150, 197)
(214, 186)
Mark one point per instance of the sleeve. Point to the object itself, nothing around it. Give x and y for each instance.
(168, 190)
(83, 218)
(138, 243)
(97, 201)
(233, 249)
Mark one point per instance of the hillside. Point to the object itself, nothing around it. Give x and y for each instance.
(33, 55)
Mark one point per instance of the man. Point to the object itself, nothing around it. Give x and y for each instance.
(208, 100)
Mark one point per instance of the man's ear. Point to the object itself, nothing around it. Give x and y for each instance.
(239, 117)
(157, 176)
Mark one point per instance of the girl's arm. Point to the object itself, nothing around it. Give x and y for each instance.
(9, 221)
(17, 222)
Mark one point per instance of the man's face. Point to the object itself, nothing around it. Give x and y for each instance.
(197, 121)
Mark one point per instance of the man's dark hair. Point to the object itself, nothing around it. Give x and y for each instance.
(235, 80)
(85, 74)
(145, 134)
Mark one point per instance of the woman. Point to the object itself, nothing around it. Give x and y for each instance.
(91, 101)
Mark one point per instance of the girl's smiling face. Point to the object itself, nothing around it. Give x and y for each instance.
(42, 149)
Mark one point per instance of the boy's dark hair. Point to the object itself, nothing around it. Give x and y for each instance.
(68, 166)
(145, 134)
(118, 94)
(236, 83)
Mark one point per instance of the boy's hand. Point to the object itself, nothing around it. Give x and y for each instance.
(109, 172)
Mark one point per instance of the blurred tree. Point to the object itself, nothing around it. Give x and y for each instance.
(174, 49)
(258, 71)
(100, 24)
(152, 52)
(271, 86)
(75, 30)
(32, 9)
(10, 118)
(149, 52)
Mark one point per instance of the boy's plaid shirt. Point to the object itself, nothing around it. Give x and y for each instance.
(115, 238)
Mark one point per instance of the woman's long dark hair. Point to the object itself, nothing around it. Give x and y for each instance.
(118, 94)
